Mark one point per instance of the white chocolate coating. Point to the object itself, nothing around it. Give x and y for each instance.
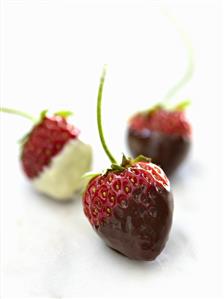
(63, 176)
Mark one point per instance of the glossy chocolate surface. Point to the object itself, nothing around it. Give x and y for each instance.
(140, 229)
(167, 151)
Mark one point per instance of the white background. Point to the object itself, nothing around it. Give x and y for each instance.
(52, 53)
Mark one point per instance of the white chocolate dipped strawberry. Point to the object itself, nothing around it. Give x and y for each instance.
(52, 155)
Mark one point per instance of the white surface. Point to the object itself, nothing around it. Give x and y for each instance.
(52, 56)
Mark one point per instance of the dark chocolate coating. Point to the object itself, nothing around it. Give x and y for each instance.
(140, 229)
(167, 151)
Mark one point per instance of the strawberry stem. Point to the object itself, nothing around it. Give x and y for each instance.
(17, 112)
(99, 117)
(190, 67)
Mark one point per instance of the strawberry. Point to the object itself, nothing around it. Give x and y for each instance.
(52, 156)
(163, 134)
(46, 140)
(130, 206)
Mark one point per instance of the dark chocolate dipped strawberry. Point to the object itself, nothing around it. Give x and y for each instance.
(130, 205)
(161, 133)
(52, 156)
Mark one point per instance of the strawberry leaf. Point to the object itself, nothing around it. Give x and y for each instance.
(64, 113)
(125, 161)
(90, 175)
(23, 140)
(42, 115)
(141, 158)
(86, 178)
(153, 109)
(116, 167)
(182, 105)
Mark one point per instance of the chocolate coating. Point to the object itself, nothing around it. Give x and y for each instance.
(140, 229)
(167, 151)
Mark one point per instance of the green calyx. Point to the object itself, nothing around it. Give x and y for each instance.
(24, 139)
(154, 108)
(127, 162)
(90, 175)
(42, 115)
(182, 106)
(187, 75)
(36, 121)
(64, 113)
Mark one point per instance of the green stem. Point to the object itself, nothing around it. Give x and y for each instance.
(190, 68)
(99, 117)
(17, 112)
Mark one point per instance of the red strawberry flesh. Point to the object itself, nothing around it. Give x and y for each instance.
(163, 135)
(44, 142)
(161, 120)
